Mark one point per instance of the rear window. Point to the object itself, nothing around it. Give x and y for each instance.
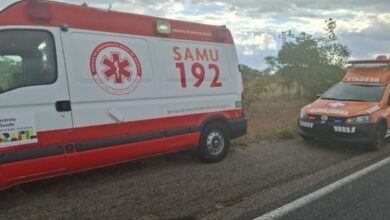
(27, 58)
(355, 92)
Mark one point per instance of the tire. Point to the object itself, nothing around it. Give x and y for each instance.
(379, 138)
(214, 143)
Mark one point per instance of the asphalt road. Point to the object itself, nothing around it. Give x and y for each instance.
(365, 198)
(251, 180)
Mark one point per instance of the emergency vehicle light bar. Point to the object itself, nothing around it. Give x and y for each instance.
(163, 27)
(368, 62)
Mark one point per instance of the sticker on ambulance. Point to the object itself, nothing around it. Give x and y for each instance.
(116, 68)
(17, 129)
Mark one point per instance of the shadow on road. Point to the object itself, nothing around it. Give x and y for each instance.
(338, 147)
(114, 172)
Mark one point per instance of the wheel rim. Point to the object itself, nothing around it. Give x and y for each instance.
(215, 142)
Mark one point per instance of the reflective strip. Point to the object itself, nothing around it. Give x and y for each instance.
(387, 133)
(113, 142)
(30, 154)
(347, 130)
(306, 124)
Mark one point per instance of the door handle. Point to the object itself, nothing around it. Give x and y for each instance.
(63, 106)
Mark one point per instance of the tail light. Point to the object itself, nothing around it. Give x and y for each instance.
(242, 105)
(312, 117)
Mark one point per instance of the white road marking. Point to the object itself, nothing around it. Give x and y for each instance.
(387, 133)
(282, 211)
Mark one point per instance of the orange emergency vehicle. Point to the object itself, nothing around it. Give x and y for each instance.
(354, 110)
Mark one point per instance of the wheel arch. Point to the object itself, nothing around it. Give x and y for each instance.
(215, 119)
(382, 121)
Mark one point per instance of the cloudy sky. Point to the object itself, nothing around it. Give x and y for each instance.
(256, 24)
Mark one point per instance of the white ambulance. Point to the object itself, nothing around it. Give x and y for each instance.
(82, 88)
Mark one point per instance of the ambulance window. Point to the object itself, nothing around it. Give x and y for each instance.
(9, 65)
(27, 58)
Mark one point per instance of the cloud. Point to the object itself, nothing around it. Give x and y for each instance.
(259, 41)
(363, 25)
(248, 51)
(371, 40)
(291, 5)
(255, 24)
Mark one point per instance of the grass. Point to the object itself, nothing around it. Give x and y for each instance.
(273, 117)
(287, 132)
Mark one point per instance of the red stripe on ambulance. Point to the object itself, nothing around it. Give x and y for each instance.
(116, 22)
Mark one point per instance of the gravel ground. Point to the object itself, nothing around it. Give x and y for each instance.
(179, 186)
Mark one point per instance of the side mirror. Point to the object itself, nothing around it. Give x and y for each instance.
(319, 95)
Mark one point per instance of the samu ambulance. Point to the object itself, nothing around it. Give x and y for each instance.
(354, 110)
(82, 88)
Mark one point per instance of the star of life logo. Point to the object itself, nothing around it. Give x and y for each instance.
(115, 68)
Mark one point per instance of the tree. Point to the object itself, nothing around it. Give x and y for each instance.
(255, 84)
(8, 66)
(310, 63)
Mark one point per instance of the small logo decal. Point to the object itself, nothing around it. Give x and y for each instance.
(336, 104)
(373, 109)
(115, 68)
(328, 111)
(324, 118)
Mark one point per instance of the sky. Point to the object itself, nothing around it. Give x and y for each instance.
(364, 26)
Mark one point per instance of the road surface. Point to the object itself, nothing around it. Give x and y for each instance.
(364, 197)
(251, 181)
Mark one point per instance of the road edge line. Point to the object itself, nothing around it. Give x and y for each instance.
(298, 203)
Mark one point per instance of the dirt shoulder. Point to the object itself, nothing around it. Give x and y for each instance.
(273, 118)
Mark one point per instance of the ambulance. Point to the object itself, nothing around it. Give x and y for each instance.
(82, 88)
(354, 110)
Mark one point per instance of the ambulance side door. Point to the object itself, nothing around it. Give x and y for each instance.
(34, 107)
(111, 86)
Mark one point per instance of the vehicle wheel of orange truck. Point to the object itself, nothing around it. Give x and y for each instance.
(379, 137)
(214, 143)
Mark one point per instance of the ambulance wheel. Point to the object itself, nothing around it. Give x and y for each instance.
(214, 142)
(379, 137)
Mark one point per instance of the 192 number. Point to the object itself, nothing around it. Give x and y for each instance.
(199, 73)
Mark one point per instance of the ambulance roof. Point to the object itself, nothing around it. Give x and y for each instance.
(56, 14)
(368, 72)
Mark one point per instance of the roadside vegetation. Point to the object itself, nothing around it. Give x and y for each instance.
(305, 66)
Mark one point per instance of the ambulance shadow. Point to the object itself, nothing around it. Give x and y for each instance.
(100, 175)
